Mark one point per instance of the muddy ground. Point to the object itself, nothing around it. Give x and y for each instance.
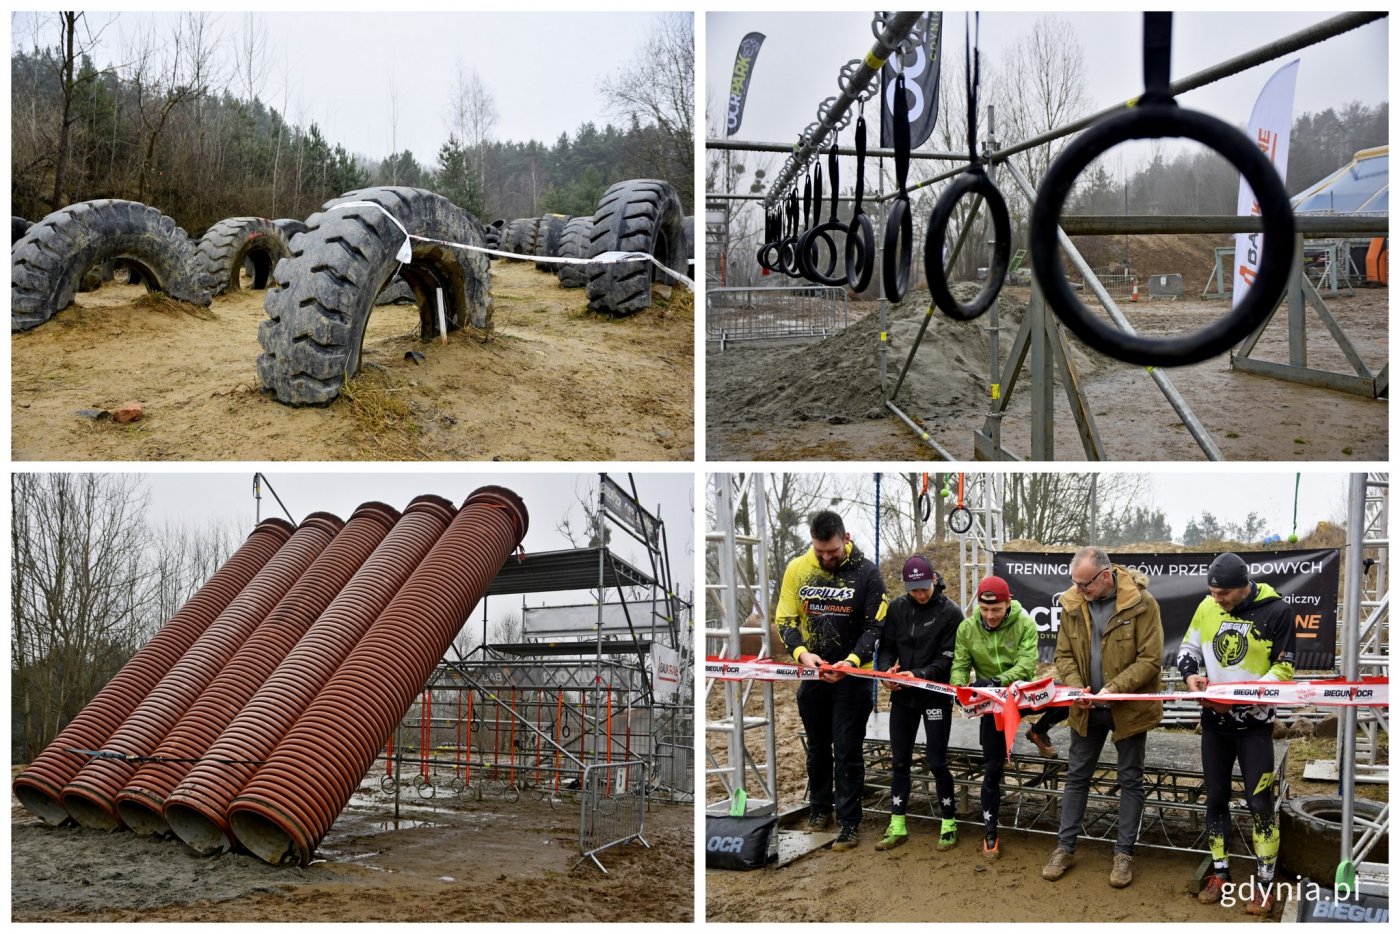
(915, 882)
(447, 860)
(554, 382)
(822, 400)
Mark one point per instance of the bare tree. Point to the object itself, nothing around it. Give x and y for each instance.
(472, 115)
(1058, 508)
(79, 595)
(657, 88)
(1046, 69)
(185, 75)
(252, 56)
(69, 85)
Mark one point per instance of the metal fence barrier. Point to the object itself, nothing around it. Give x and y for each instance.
(772, 313)
(613, 808)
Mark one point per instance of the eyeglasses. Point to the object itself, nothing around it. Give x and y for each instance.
(1085, 585)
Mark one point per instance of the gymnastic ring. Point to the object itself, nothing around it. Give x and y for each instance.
(960, 520)
(426, 788)
(511, 793)
(495, 787)
(925, 507)
(1155, 121)
(860, 251)
(564, 731)
(456, 784)
(899, 232)
(787, 257)
(764, 260)
(806, 249)
(387, 784)
(973, 181)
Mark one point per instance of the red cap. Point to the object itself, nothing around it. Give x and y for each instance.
(993, 590)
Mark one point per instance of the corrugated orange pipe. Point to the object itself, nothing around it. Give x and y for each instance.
(294, 799)
(40, 786)
(197, 809)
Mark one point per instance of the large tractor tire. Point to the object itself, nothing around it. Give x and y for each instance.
(690, 247)
(325, 291)
(225, 248)
(1310, 834)
(18, 228)
(49, 262)
(290, 226)
(519, 236)
(644, 216)
(573, 244)
(547, 239)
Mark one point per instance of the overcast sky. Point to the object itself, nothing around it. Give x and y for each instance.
(222, 495)
(1183, 497)
(798, 64)
(339, 69)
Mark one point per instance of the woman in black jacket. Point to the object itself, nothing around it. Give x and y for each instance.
(920, 629)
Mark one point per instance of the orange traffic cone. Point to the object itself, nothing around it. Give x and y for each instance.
(1134, 298)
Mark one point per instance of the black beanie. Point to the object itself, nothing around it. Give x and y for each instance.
(1228, 571)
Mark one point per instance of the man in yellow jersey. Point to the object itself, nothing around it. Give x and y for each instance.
(830, 615)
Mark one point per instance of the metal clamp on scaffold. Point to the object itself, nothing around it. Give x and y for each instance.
(974, 181)
(1155, 116)
(899, 226)
(860, 233)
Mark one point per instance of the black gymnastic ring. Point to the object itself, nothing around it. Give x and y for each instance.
(1155, 121)
(806, 249)
(763, 259)
(860, 251)
(960, 516)
(973, 181)
(899, 233)
(787, 257)
(925, 507)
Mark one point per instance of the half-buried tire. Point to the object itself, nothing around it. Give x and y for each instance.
(49, 261)
(643, 216)
(325, 291)
(229, 245)
(573, 244)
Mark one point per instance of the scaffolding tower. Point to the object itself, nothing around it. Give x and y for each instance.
(737, 594)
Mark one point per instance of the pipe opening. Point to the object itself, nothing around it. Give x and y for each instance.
(43, 805)
(88, 812)
(199, 833)
(143, 816)
(263, 837)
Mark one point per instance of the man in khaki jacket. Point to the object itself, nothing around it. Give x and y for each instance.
(1110, 642)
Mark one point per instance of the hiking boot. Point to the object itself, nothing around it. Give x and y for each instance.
(1211, 890)
(816, 822)
(1042, 743)
(847, 839)
(991, 849)
(1122, 875)
(948, 836)
(1060, 860)
(1263, 901)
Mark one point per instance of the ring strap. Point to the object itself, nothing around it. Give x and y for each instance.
(860, 161)
(972, 62)
(1156, 58)
(834, 170)
(901, 137)
(817, 194)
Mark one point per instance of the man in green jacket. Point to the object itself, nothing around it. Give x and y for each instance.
(998, 642)
(1110, 642)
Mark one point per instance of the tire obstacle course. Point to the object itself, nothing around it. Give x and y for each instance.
(324, 275)
(1039, 341)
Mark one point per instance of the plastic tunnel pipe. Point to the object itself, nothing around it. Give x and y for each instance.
(91, 796)
(197, 809)
(294, 799)
(140, 803)
(39, 787)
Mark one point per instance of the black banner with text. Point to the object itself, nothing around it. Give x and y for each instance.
(1306, 580)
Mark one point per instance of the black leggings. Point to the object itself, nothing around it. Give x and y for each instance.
(993, 764)
(1052, 717)
(1255, 752)
(904, 727)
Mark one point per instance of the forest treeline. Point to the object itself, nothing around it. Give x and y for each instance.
(202, 153)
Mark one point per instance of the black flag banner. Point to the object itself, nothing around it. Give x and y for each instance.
(739, 84)
(1306, 580)
(921, 66)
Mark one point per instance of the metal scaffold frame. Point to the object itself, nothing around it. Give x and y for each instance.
(737, 592)
(987, 535)
(1040, 339)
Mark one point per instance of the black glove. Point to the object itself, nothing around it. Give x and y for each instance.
(986, 683)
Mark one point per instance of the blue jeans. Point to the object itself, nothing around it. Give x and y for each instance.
(834, 716)
(1083, 760)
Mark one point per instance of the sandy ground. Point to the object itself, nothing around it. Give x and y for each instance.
(553, 383)
(822, 400)
(448, 860)
(935, 886)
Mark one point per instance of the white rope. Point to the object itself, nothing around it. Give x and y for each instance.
(405, 253)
